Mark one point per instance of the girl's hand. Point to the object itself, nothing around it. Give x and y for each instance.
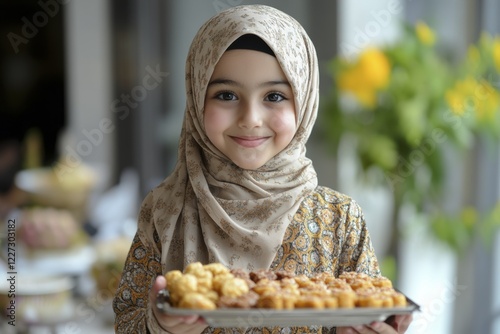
(394, 325)
(192, 324)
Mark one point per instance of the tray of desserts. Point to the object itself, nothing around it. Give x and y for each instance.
(259, 317)
(263, 298)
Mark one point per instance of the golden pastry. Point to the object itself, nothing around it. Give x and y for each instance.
(234, 287)
(198, 301)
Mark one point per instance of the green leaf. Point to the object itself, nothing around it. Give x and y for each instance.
(378, 150)
(412, 120)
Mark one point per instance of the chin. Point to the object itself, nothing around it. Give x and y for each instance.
(249, 166)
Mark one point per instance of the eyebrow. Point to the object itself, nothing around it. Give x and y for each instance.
(230, 82)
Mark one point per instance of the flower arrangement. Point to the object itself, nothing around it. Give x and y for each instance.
(401, 106)
(475, 95)
(474, 99)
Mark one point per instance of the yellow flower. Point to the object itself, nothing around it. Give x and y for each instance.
(479, 97)
(457, 97)
(376, 68)
(425, 34)
(455, 101)
(496, 53)
(369, 74)
(486, 101)
(352, 81)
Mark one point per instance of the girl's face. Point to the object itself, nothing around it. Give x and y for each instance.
(249, 108)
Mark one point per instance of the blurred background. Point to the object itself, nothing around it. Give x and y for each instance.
(91, 105)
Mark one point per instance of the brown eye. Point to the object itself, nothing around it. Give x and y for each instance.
(275, 97)
(226, 96)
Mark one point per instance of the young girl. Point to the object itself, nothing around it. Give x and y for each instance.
(243, 192)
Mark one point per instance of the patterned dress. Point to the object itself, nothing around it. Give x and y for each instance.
(328, 234)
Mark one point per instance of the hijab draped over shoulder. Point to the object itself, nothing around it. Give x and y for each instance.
(209, 209)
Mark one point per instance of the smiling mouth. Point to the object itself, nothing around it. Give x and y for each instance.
(249, 142)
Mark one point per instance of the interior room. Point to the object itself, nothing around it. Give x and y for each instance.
(92, 102)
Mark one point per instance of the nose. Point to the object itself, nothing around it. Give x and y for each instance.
(251, 115)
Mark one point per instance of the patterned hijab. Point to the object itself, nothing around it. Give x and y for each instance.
(209, 209)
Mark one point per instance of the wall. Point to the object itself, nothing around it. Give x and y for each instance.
(90, 135)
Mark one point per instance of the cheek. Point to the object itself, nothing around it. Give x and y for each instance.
(213, 121)
(284, 123)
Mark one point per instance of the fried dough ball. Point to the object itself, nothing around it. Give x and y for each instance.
(303, 281)
(289, 286)
(205, 281)
(245, 301)
(277, 301)
(399, 299)
(266, 287)
(172, 276)
(369, 300)
(289, 301)
(270, 300)
(318, 286)
(178, 286)
(288, 282)
(380, 298)
(216, 268)
(337, 283)
(203, 276)
(315, 302)
(331, 302)
(360, 284)
(387, 301)
(218, 281)
(195, 300)
(382, 282)
(194, 268)
(240, 273)
(212, 295)
(346, 298)
(234, 287)
(185, 284)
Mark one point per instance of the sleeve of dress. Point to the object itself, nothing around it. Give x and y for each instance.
(133, 313)
(357, 251)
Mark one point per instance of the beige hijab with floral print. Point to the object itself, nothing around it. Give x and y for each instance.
(209, 209)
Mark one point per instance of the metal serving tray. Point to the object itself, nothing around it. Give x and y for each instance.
(289, 318)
